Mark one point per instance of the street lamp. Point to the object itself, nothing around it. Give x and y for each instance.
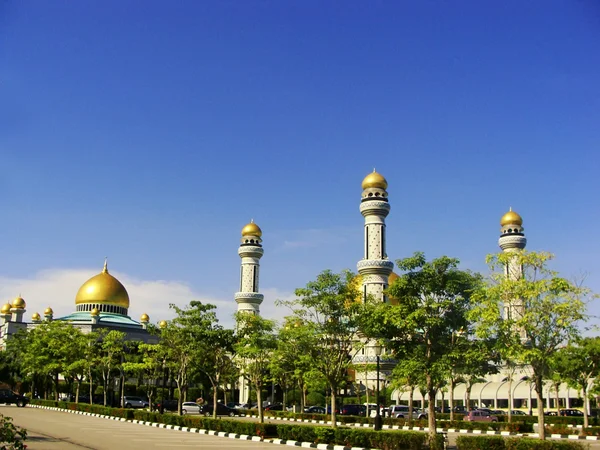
(377, 424)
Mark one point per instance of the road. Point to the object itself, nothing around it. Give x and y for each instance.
(54, 430)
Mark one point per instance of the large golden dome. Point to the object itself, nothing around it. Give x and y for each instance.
(18, 303)
(251, 230)
(103, 289)
(511, 218)
(374, 180)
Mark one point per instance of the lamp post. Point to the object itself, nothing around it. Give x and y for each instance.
(378, 421)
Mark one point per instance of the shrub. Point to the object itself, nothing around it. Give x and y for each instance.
(11, 434)
(499, 443)
(480, 443)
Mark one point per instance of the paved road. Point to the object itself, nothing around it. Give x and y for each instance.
(53, 430)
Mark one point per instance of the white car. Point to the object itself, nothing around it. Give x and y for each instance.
(401, 412)
(190, 408)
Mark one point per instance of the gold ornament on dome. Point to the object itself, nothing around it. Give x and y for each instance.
(6, 308)
(374, 180)
(103, 289)
(18, 303)
(251, 230)
(511, 218)
(145, 318)
(95, 312)
(163, 324)
(35, 316)
(48, 311)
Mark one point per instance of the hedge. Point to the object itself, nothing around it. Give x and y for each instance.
(499, 443)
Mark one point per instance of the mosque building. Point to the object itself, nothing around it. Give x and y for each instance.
(101, 302)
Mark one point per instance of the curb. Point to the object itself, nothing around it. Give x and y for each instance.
(208, 432)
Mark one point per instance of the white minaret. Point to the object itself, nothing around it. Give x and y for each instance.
(375, 268)
(248, 298)
(512, 240)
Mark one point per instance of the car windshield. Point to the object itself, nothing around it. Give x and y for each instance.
(134, 398)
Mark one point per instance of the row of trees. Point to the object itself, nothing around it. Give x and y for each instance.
(448, 326)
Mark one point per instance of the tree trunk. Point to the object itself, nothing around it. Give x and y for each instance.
(333, 401)
(585, 405)
(78, 384)
(468, 398)
(557, 399)
(539, 386)
(56, 387)
(431, 411)
(410, 403)
(510, 400)
(122, 390)
(261, 414)
(215, 400)
(451, 399)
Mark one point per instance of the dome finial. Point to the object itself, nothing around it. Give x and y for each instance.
(105, 269)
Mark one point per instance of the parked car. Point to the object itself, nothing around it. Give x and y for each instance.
(353, 410)
(550, 413)
(460, 409)
(571, 412)
(401, 412)
(130, 401)
(9, 397)
(498, 412)
(235, 405)
(222, 410)
(190, 408)
(167, 405)
(518, 412)
(315, 410)
(479, 416)
(274, 407)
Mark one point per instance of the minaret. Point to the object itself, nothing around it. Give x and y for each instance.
(512, 240)
(375, 267)
(248, 298)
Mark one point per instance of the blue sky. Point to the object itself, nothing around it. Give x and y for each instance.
(151, 132)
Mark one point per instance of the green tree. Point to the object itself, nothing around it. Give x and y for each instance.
(255, 344)
(150, 366)
(433, 300)
(329, 313)
(112, 347)
(551, 310)
(580, 365)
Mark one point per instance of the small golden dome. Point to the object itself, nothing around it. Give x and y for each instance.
(163, 324)
(374, 180)
(18, 303)
(145, 318)
(35, 316)
(6, 308)
(511, 218)
(104, 289)
(251, 230)
(48, 311)
(95, 312)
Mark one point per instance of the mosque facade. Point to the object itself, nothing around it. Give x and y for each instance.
(101, 302)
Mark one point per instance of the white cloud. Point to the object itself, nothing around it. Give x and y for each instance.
(57, 288)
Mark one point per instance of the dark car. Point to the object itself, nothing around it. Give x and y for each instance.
(9, 397)
(222, 410)
(167, 405)
(571, 412)
(353, 410)
(315, 410)
(274, 407)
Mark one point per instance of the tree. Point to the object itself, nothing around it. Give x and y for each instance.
(433, 300)
(112, 346)
(551, 308)
(580, 365)
(328, 310)
(255, 344)
(151, 366)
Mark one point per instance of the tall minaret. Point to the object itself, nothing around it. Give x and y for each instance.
(248, 299)
(512, 240)
(375, 267)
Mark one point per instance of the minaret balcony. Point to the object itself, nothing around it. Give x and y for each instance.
(375, 266)
(512, 241)
(250, 251)
(249, 297)
(377, 207)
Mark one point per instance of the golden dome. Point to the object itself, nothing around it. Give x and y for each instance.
(144, 318)
(48, 311)
(511, 218)
(104, 289)
(163, 324)
(6, 308)
(251, 230)
(94, 312)
(35, 316)
(18, 303)
(374, 180)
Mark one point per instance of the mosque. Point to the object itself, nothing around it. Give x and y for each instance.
(103, 302)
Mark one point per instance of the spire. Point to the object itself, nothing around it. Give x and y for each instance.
(105, 269)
